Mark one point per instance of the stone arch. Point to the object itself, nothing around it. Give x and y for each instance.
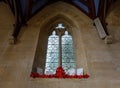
(59, 18)
(46, 30)
(46, 25)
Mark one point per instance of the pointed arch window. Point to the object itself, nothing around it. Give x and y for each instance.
(60, 51)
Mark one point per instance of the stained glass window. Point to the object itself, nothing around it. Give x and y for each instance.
(52, 57)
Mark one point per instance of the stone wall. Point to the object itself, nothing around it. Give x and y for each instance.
(101, 60)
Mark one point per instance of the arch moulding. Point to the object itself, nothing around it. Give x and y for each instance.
(46, 29)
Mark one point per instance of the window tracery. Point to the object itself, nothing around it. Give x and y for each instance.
(59, 59)
(59, 51)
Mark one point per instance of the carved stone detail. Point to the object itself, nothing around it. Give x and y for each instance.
(108, 39)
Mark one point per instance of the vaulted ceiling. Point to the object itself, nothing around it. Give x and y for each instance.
(23, 10)
(92, 8)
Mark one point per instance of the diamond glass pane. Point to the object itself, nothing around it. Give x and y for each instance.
(68, 60)
(52, 54)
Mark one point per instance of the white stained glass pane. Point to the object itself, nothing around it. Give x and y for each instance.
(80, 71)
(39, 70)
(60, 26)
(52, 54)
(68, 60)
(71, 71)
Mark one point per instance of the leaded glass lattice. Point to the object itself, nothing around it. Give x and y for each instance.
(52, 54)
(68, 60)
(66, 56)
